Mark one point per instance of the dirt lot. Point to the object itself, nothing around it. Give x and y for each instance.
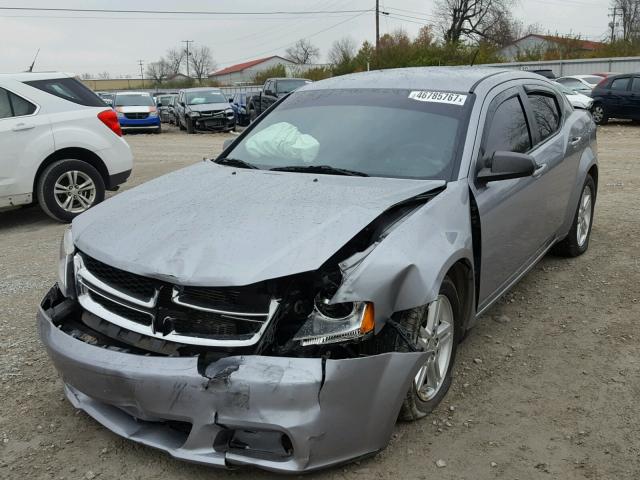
(547, 386)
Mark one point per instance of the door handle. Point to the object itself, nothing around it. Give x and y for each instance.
(23, 126)
(539, 170)
(575, 141)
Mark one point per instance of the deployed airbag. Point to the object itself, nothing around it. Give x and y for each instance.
(285, 141)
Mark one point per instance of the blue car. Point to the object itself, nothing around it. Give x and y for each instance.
(137, 111)
(239, 105)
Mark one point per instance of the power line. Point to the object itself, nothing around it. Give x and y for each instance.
(176, 12)
(306, 36)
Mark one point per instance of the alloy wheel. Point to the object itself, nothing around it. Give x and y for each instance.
(436, 338)
(74, 191)
(598, 113)
(584, 216)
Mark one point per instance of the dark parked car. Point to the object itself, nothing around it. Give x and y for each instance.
(546, 73)
(272, 90)
(282, 305)
(617, 96)
(239, 105)
(164, 104)
(204, 109)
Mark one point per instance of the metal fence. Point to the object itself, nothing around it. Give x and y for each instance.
(583, 66)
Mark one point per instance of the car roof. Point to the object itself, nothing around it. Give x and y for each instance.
(457, 79)
(144, 94)
(201, 89)
(28, 76)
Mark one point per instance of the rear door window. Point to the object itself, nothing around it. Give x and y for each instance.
(508, 130)
(546, 113)
(12, 105)
(620, 83)
(5, 105)
(635, 86)
(70, 89)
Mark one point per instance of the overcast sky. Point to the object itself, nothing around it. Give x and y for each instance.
(93, 43)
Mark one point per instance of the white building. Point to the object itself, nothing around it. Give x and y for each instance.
(541, 43)
(246, 72)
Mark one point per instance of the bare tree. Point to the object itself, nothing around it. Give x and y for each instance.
(158, 71)
(303, 52)
(86, 76)
(104, 75)
(472, 19)
(174, 59)
(201, 60)
(342, 51)
(629, 13)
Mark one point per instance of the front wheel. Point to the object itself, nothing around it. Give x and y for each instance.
(436, 329)
(599, 115)
(577, 242)
(67, 188)
(190, 125)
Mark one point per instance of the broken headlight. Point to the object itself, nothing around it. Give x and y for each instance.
(65, 264)
(334, 323)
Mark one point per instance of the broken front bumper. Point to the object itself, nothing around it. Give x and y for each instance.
(278, 413)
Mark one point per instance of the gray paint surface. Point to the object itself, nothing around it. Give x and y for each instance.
(347, 411)
(220, 226)
(216, 226)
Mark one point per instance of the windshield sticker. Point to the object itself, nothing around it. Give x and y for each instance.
(438, 97)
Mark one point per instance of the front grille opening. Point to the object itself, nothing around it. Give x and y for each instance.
(266, 444)
(121, 310)
(136, 115)
(246, 300)
(136, 285)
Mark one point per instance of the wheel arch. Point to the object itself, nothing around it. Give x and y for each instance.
(461, 274)
(72, 153)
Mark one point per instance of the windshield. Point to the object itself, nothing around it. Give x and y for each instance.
(165, 99)
(204, 96)
(286, 86)
(134, 101)
(563, 89)
(383, 133)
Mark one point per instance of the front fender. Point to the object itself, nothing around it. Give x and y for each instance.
(406, 268)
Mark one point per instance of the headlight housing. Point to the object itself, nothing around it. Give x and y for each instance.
(333, 323)
(65, 264)
(194, 114)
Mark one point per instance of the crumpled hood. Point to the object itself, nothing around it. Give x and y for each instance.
(212, 225)
(206, 107)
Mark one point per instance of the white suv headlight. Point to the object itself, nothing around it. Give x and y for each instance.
(65, 264)
(334, 323)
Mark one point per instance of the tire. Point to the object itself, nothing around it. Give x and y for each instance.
(190, 127)
(158, 130)
(57, 173)
(420, 402)
(599, 114)
(577, 241)
(252, 115)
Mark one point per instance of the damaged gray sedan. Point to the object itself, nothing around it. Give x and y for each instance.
(284, 304)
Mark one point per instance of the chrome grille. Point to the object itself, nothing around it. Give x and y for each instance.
(191, 315)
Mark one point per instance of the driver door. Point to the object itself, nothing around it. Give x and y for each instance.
(513, 232)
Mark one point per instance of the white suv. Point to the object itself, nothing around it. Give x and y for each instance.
(60, 144)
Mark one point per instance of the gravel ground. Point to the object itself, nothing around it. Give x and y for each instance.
(546, 386)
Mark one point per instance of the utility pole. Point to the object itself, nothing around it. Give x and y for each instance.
(613, 24)
(377, 25)
(187, 42)
(141, 63)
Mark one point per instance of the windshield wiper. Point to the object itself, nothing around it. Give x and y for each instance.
(328, 169)
(235, 162)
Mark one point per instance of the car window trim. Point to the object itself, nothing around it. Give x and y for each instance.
(514, 91)
(35, 112)
(544, 90)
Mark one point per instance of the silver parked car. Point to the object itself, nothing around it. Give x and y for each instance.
(282, 305)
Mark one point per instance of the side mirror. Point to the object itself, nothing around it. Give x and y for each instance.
(182, 104)
(507, 165)
(227, 143)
